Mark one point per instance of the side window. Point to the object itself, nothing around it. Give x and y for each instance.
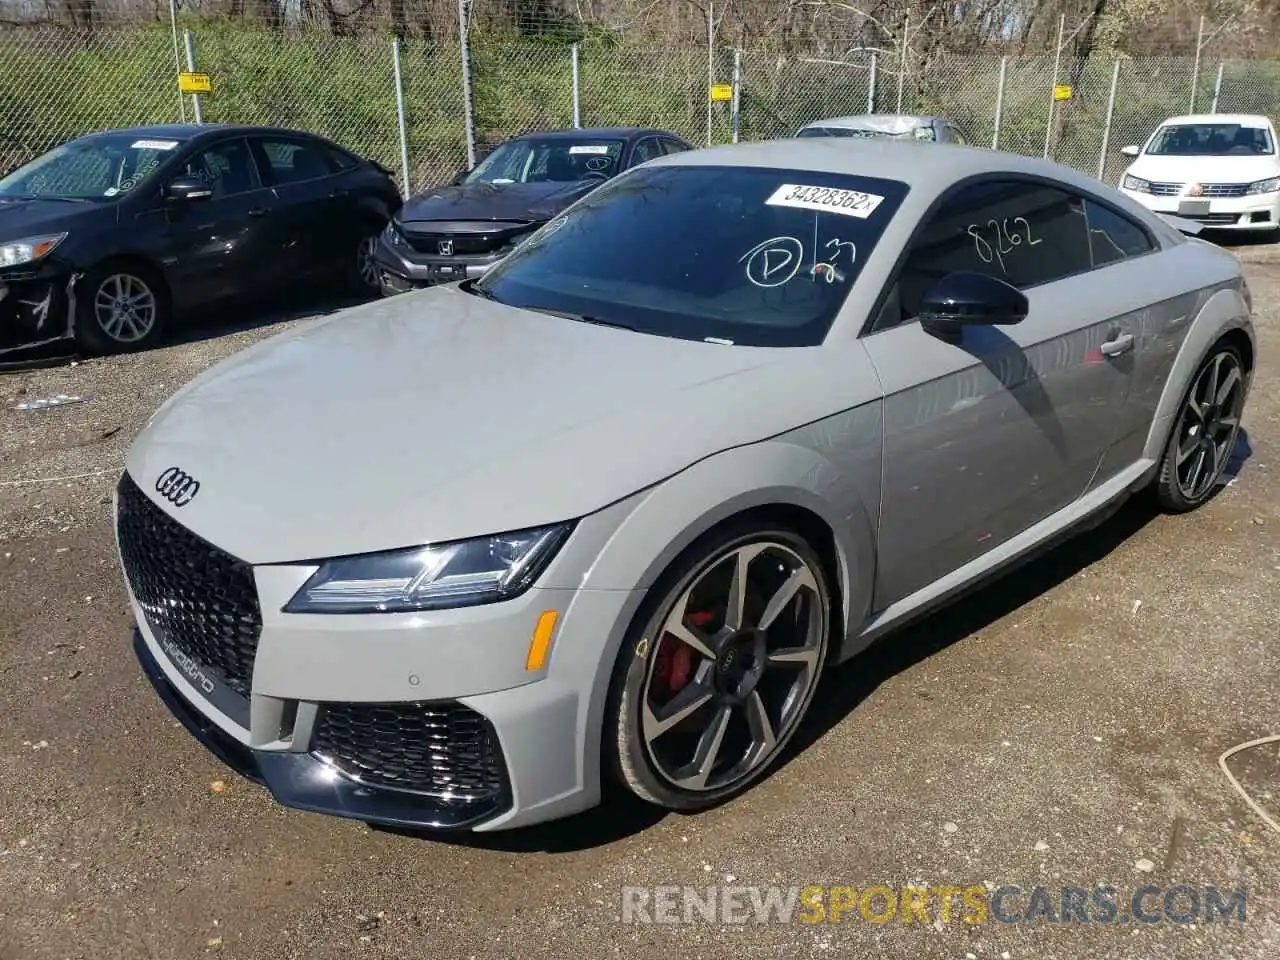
(1113, 236)
(339, 160)
(1020, 232)
(673, 146)
(290, 161)
(647, 149)
(227, 168)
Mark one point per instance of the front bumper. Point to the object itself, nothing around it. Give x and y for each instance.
(424, 721)
(34, 307)
(1259, 211)
(400, 270)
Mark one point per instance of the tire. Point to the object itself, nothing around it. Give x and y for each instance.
(1201, 443)
(100, 325)
(646, 744)
(361, 272)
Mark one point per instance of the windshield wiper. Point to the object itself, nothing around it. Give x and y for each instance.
(39, 197)
(481, 292)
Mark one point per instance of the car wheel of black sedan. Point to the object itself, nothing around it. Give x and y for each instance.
(362, 272)
(120, 307)
(1204, 434)
(730, 648)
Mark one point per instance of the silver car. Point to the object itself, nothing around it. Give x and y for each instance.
(458, 558)
(871, 125)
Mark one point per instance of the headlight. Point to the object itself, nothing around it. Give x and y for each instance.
(1137, 184)
(1265, 186)
(459, 574)
(28, 250)
(393, 236)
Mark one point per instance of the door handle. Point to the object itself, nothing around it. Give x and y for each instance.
(1117, 346)
(258, 212)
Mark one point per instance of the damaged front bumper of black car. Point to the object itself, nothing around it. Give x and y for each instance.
(37, 308)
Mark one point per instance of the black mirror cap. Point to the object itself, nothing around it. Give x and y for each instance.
(967, 297)
(188, 188)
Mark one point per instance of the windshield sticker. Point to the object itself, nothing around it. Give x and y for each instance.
(110, 192)
(1253, 123)
(154, 144)
(596, 148)
(850, 203)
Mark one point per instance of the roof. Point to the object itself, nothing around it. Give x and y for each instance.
(188, 131)
(1250, 119)
(881, 122)
(591, 133)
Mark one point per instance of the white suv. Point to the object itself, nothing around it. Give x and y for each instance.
(1221, 170)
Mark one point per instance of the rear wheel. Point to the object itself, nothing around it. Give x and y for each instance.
(724, 663)
(120, 307)
(1204, 434)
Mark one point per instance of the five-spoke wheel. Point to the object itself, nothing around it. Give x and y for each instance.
(723, 667)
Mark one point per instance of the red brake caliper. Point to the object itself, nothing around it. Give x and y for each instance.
(674, 667)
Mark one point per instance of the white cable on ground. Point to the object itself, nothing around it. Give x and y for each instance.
(78, 476)
(1253, 804)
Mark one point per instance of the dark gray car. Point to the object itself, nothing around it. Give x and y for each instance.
(897, 125)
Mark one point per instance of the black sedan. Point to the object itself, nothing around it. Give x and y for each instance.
(459, 231)
(104, 238)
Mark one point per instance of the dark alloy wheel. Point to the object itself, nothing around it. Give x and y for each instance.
(722, 669)
(1204, 435)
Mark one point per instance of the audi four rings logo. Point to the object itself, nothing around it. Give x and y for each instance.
(177, 486)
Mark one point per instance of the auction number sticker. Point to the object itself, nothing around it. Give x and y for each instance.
(596, 148)
(850, 203)
(154, 144)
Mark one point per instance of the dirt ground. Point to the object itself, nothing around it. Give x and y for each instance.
(1060, 729)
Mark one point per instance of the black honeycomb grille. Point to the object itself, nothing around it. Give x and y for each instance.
(440, 749)
(192, 593)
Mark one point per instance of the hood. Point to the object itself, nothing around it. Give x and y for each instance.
(437, 415)
(532, 202)
(29, 218)
(1244, 169)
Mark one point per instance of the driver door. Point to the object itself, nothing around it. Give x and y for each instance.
(988, 436)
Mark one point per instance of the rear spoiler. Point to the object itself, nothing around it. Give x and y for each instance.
(1190, 227)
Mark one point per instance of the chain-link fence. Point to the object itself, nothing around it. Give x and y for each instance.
(60, 82)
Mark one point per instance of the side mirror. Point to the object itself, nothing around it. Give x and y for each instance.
(185, 189)
(964, 299)
(1130, 151)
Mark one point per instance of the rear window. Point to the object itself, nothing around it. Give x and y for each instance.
(739, 255)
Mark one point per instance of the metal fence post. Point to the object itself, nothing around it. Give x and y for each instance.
(1217, 88)
(871, 85)
(995, 136)
(577, 88)
(1053, 93)
(1106, 129)
(711, 64)
(191, 68)
(902, 65)
(468, 102)
(736, 106)
(400, 119)
(177, 61)
(1195, 67)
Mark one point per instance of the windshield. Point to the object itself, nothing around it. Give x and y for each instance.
(737, 255)
(549, 160)
(1211, 140)
(91, 168)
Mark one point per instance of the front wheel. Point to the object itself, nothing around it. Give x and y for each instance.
(1204, 434)
(724, 663)
(120, 308)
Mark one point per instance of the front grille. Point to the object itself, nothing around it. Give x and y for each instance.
(463, 245)
(440, 749)
(1214, 219)
(1166, 189)
(191, 593)
(1225, 189)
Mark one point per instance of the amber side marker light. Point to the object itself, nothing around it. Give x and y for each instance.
(541, 641)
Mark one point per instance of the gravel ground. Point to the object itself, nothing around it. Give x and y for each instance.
(1059, 729)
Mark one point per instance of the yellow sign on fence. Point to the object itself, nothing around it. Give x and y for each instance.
(1062, 91)
(722, 91)
(194, 83)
